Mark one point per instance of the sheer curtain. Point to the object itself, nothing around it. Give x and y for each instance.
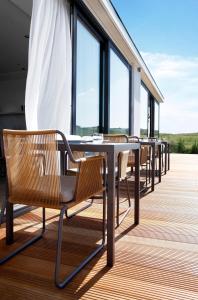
(48, 86)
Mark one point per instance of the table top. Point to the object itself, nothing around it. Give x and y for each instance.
(100, 147)
(103, 147)
(154, 143)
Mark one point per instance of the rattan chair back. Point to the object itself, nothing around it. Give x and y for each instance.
(122, 164)
(30, 156)
(116, 138)
(144, 155)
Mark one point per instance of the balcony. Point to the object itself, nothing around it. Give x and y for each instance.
(155, 260)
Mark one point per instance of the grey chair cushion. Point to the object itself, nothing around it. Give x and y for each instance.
(68, 184)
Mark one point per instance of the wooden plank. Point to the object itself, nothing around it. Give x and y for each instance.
(156, 260)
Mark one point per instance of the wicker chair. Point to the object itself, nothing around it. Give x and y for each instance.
(116, 138)
(33, 171)
(145, 157)
(122, 174)
(131, 160)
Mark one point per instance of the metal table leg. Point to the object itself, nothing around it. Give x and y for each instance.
(153, 168)
(166, 154)
(9, 223)
(160, 162)
(137, 187)
(111, 209)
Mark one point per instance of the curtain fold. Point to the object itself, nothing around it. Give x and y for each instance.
(48, 86)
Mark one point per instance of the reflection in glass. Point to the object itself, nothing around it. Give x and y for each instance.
(156, 132)
(119, 95)
(87, 82)
(144, 112)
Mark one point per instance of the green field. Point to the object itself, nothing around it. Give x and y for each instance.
(182, 143)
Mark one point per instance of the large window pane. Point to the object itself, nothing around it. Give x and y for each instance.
(144, 112)
(87, 82)
(156, 132)
(119, 95)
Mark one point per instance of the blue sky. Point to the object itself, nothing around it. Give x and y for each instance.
(165, 33)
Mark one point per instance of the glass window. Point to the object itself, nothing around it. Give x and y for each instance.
(119, 95)
(144, 115)
(87, 82)
(156, 131)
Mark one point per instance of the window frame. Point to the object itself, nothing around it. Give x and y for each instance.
(129, 67)
(79, 11)
(78, 15)
(158, 104)
(149, 111)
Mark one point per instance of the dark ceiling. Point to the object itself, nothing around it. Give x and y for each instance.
(14, 25)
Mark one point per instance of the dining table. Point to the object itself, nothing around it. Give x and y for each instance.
(112, 150)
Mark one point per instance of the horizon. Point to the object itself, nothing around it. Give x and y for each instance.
(180, 133)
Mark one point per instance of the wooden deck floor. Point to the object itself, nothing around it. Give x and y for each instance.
(156, 260)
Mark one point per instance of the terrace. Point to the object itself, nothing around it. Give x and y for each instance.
(155, 260)
(89, 79)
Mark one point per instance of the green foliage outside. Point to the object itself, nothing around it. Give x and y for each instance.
(82, 131)
(182, 143)
(119, 131)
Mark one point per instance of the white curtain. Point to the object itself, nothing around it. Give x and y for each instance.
(48, 86)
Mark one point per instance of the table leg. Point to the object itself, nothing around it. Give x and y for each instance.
(137, 187)
(111, 209)
(9, 223)
(160, 162)
(153, 169)
(166, 154)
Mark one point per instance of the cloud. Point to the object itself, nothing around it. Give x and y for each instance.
(177, 78)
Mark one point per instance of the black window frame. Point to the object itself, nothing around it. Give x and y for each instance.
(149, 110)
(113, 47)
(78, 15)
(151, 113)
(80, 11)
(154, 103)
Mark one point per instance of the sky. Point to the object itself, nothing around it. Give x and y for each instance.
(166, 34)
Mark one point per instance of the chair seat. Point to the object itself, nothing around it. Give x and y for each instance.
(68, 184)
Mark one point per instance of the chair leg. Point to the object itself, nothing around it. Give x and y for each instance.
(69, 216)
(25, 245)
(162, 154)
(149, 170)
(61, 284)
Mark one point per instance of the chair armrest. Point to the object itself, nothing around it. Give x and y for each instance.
(90, 178)
(133, 139)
